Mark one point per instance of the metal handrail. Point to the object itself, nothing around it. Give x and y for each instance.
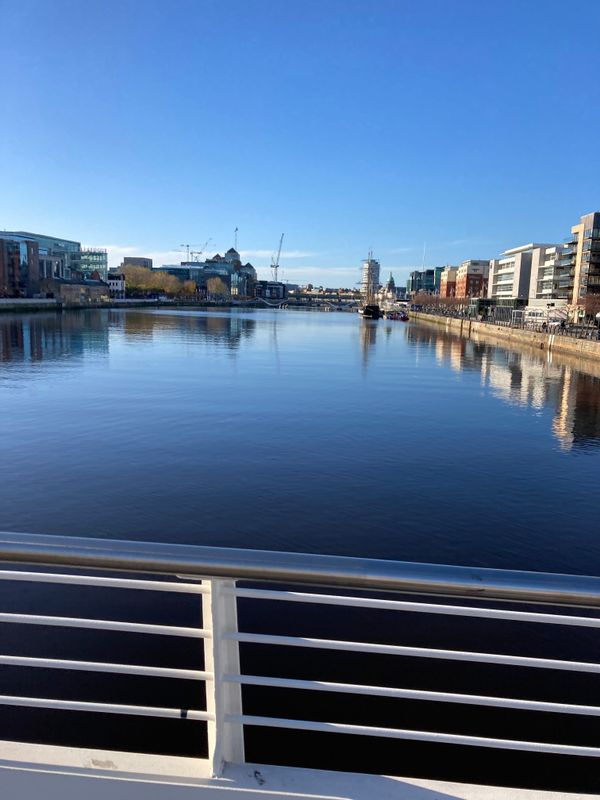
(194, 561)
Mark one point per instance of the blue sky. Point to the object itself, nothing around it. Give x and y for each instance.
(472, 126)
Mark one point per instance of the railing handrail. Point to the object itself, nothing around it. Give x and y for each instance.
(299, 568)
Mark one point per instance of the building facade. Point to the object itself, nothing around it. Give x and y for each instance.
(510, 275)
(472, 278)
(90, 261)
(116, 285)
(550, 280)
(421, 281)
(270, 290)
(19, 267)
(448, 282)
(581, 258)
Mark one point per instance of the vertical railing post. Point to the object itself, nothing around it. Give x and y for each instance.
(222, 657)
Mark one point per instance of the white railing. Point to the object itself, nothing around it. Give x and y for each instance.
(210, 573)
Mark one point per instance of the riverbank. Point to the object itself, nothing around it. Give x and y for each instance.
(551, 342)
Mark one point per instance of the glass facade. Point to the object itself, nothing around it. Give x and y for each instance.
(89, 261)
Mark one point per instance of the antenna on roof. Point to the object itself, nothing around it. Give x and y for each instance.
(235, 233)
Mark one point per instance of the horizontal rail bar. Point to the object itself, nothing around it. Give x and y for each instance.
(306, 569)
(413, 607)
(106, 625)
(101, 666)
(106, 708)
(110, 583)
(420, 736)
(413, 652)
(414, 694)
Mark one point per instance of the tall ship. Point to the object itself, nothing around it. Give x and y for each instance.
(369, 288)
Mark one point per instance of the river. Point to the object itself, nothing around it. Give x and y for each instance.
(297, 431)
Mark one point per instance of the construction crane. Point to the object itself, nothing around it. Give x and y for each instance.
(195, 254)
(275, 261)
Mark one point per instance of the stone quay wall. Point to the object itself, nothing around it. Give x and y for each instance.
(554, 342)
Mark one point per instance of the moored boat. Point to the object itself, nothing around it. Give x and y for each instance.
(371, 311)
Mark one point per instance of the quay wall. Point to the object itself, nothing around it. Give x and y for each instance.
(555, 343)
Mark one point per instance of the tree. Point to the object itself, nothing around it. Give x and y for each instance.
(140, 280)
(189, 288)
(592, 305)
(217, 288)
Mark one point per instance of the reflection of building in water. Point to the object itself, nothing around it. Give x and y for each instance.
(368, 339)
(42, 337)
(518, 378)
(577, 420)
(228, 329)
(527, 379)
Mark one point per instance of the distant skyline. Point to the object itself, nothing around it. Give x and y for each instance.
(347, 124)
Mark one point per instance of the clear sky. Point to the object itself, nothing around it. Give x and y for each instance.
(471, 125)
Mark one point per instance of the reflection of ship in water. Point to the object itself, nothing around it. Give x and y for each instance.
(52, 337)
(526, 379)
(368, 340)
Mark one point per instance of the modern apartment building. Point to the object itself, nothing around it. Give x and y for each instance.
(471, 278)
(550, 279)
(448, 282)
(581, 258)
(510, 275)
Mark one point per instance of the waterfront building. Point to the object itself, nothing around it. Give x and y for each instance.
(472, 278)
(550, 278)
(63, 259)
(370, 278)
(90, 260)
(19, 267)
(137, 261)
(448, 282)
(239, 279)
(421, 281)
(270, 290)
(581, 259)
(437, 279)
(76, 291)
(116, 285)
(510, 275)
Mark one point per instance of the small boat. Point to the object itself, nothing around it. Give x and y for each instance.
(400, 316)
(371, 312)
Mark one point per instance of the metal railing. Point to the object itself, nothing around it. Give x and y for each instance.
(307, 580)
(590, 330)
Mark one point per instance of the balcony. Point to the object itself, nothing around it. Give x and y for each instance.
(374, 604)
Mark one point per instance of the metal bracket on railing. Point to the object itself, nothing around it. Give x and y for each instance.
(222, 657)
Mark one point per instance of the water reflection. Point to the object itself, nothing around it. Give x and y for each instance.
(368, 340)
(225, 329)
(48, 337)
(53, 337)
(524, 378)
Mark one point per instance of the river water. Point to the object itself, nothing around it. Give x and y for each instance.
(298, 431)
(290, 431)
